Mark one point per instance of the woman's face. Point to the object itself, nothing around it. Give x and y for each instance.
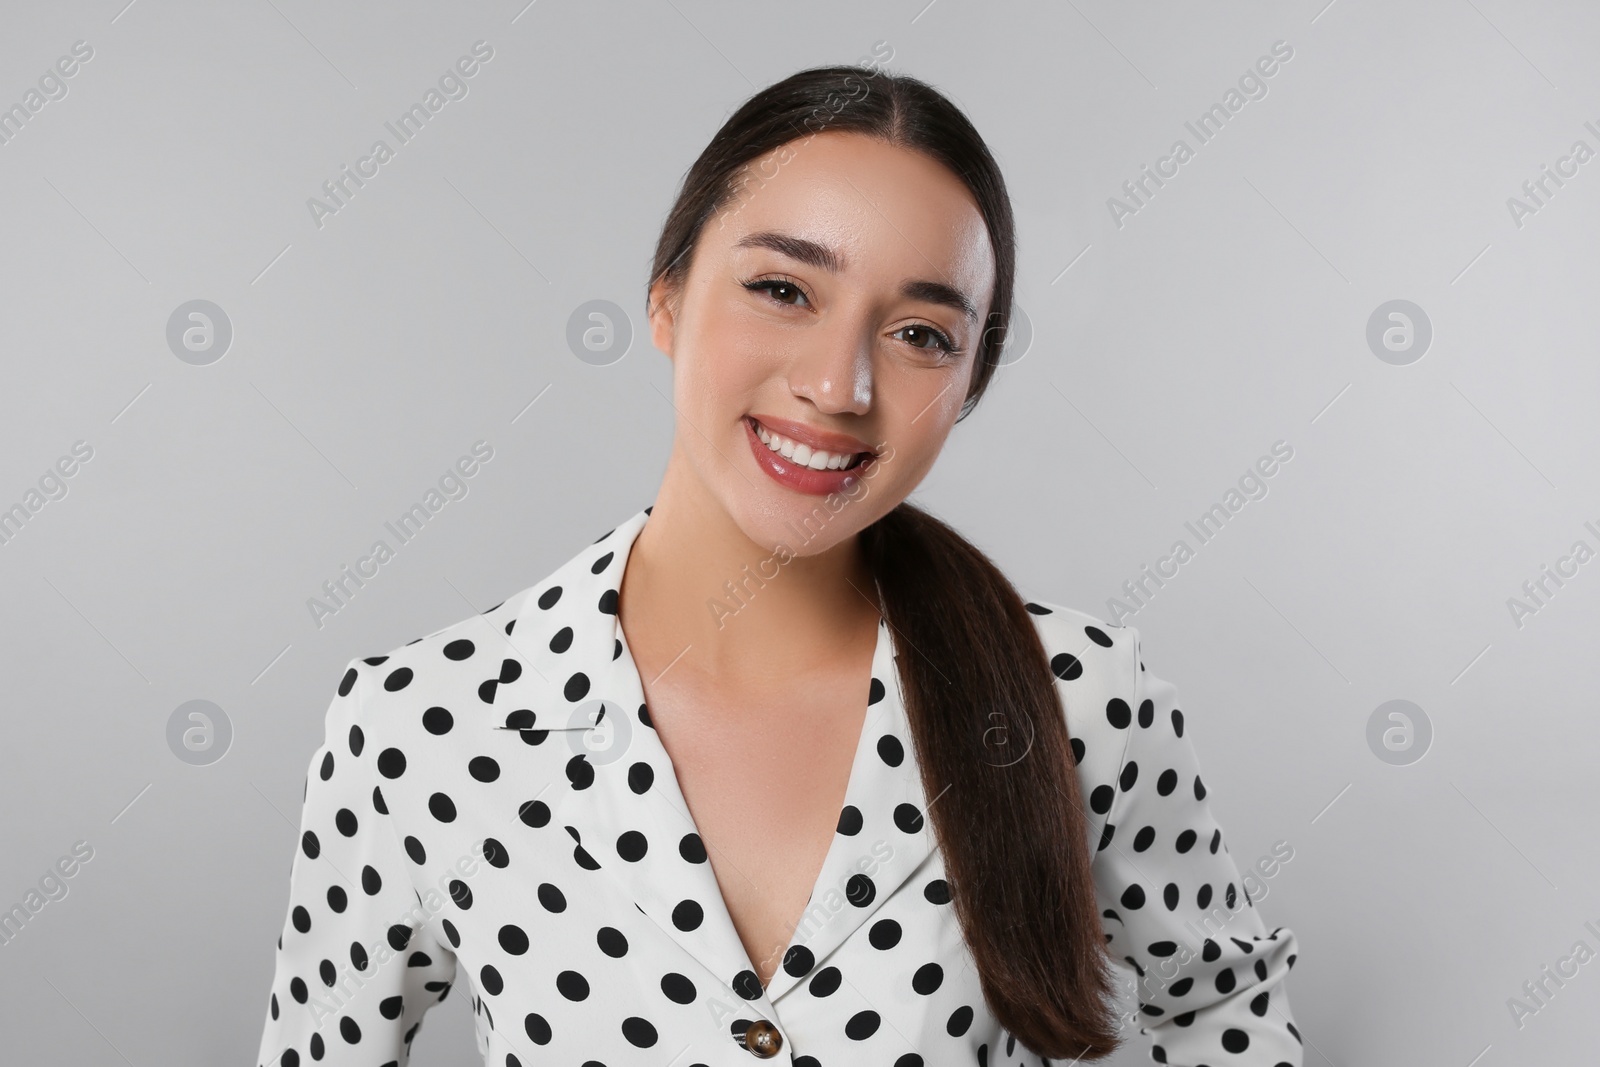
(818, 303)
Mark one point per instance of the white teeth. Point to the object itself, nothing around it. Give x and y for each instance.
(803, 455)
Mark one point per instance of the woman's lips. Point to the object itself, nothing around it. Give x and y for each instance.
(792, 475)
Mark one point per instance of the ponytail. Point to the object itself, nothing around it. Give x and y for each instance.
(988, 726)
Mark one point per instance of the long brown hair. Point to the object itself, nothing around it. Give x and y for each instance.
(986, 718)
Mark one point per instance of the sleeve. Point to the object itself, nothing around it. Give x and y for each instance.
(356, 965)
(1209, 977)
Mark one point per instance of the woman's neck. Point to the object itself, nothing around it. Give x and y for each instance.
(696, 584)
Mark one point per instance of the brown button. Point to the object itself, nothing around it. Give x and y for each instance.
(763, 1039)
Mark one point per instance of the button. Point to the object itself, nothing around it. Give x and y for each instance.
(763, 1039)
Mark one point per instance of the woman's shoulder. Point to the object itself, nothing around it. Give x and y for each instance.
(1082, 646)
(459, 701)
(454, 672)
(1096, 669)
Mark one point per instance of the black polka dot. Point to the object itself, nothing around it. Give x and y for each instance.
(580, 772)
(747, 985)
(638, 1031)
(641, 776)
(927, 979)
(612, 942)
(552, 899)
(691, 848)
(885, 934)
(860, 890)
(1066, 666)
(908, 818)
(677, 988)
(798, 961)
(825, 982)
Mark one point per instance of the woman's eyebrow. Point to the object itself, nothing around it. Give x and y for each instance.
(801, 248)
(825, 258)
(940, 293)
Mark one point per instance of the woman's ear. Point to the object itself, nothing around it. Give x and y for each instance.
(663, 314)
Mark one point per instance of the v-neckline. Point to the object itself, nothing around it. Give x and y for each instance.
(630, 793)
(625, 662)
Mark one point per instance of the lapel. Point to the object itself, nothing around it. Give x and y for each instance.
(621, 790)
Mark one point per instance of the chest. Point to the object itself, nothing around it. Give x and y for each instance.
(764, 774)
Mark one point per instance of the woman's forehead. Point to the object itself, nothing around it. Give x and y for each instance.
(873, 205)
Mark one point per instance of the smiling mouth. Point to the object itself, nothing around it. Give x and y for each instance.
(804, 455)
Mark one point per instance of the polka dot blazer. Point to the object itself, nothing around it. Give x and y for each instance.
(491, 807)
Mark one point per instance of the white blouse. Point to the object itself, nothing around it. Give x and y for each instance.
(473, 813)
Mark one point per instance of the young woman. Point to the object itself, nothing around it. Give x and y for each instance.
(782, 766)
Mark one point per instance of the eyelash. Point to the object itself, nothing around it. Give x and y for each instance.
(942, 343)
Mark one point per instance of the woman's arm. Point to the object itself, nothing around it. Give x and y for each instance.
(1210, 975)
(356, 966)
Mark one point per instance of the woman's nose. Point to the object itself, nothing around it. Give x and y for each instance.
(833, 368)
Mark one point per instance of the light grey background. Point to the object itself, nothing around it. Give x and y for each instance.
(1169, 353)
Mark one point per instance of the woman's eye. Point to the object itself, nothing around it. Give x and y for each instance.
(926, 337)
(780, 290)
